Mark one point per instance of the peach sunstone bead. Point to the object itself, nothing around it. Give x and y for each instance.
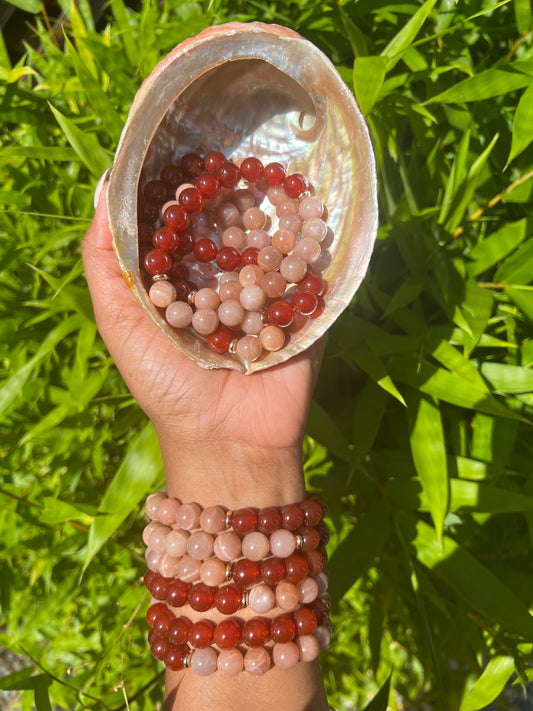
(152, 502)
(179, 314)
(310, 207)
(227, 546)
(158, 537)
(213, 572)
(287, 207)
(188, 516)
(251, 275)
(249, 348)
(203, 662)
(234, 237)
(308, 249)
(168, 565)
(162, 293)
(205, 321)
(257, 239)
(188, 569)
(252, 324)
(244, 200)
(200, 545)
(261, 599)
(285, 655)
(315, 228)
(254, 219)
(290, 222)
(230, 662)
(255, 546)
(269, 259)
(282, 543)
(152, 559)
(257, 661)
(166, 511)
(148, 530)
(284, 240)
(230, 290)
(252, 298)
(230, 312)
(308, 647)
(287, 596)
(273, 284)
(207, 299)
(272, 338)
(276, 194)
(227, 214)
(308, 590)
(213, 519)
(176, 542)
(293, 268)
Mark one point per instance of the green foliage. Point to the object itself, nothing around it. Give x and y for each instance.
(419, 437)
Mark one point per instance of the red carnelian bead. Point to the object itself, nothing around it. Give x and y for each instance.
(312, 512)
(246, 572)
(320, 501)
(174, 656)
(209, 185)
(152, 634)
(145, 231)
(173, 176)
(156, 191)
(297, 567)
(311, 538)
(249, 256)
(273, 570)
(178, 630)
(148, 577)
(228, 259)
(306, 621)
(159, 617)
(280, 313)
(292, 516)
(202, 597)
(166, 239)
(316, 562)
(159, 647)
(159, 587)
(178, 593)
(252, 169)
(157, 262)
(268, 519)
(283, 628)
(313, 283)
(214, 161)
(192, 164)
(201, 634)
(182, 289)
(228, 599)
(304, 302)
(274, 174)
(186, 243)
(180, 271)
(319, 309)
(295, 185)
(227, 634)
(177, 217)
(256, 632)
(320, 610)
(219, 341)
(244, 521)
(229, 175)
(147, 212)
(192, 200)
(323, 533)
(205, 250)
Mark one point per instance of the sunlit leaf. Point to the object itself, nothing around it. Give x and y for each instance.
(489, 685)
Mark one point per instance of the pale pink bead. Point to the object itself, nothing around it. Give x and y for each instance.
(166, 511)
(308, 589)
(207, 299)
(252, 298)
(257, 661)
(252, 323)
(290, 222)
(249, 348)
(200, 545)
(176, 543)
(205, 321)
(322, 580)
(152, 502)
(287, 207)
(162, 293)
(188, 569)
(228, 214)
(168, 204)
(284, 241)
(315, 228)
(204, 661)
(269, 259)
(213, 572)
(274, 285)
(179, 314)
(188, 516)
(213, 519)
(181, 188)
(287, 596)
(148, 530)
(257, 239)
(244, 199)
(229, 291)
(168, 565)
(308, 647)
(276, 194)
(254, 219)
(230, 312)
(293, 269)
(152, 559)
(158, 538)
(255, 545)
(323, 636)
(285, 655)
(310, 207)
(282, 542)
(234, 237)
(228, 276)
(250, 275)
(230, 662)
(261, 599)
(272, 338)
(227, 546)
(308, 249)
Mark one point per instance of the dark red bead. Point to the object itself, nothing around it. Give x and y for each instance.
(172, 176)
(311, 538)
(157, 262)
(292, 516)
(229, 175)
(182, 289)
(249, 256)
(274, 173)
(192, 164)
(313, 283)
(312, 512)
(201, 634)
(297, 567)
(283, 628)
(147, 212)
(295, 185)
(186, 243)
(156, 191)
(304, 302)
(323, 533)
(192, 200)
(180, 271)
(205, 250)
(227, 634)
(228, 259)
(178, 593)
(316, 562)
(268, 519)
(214, 161)
(159, 647)
(320, 501)
(152, 634)
(319, 309)
(320, 610)
(244, 521)
(252, 169)
(256, 632)
(159, 587)
(306, 621)
(177, 217)
(178, 630)
(145, 231)
(209, 185)
(246, 573)
(280, 313)
(148, 577)
(165, 239)
(174, 656)
(228, 599)
(273, 570)
(159, 617)
(202, 597)
(219, 341)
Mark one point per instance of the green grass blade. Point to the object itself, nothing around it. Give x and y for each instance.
(483, 86)
(489, 685)
(399, 43)
(488, 252)
(85, 144)
(522, 121)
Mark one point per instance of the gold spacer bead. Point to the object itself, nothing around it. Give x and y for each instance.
(228, 518)
(187, 659)
(244, 599)
(263, 317)
(191, 296)
(160, 277)
(228, 573)
(233, 346)
(299, 541)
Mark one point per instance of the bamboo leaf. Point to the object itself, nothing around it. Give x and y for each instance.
(370, 364)
(483, 86)
(33, 6)
(322, 427)
(522, 121)
(523, 299)
(380, 702)
(488, 252)
(522, 13)
(508, 378)
(406, 35)
(368, 76)
(489, 685)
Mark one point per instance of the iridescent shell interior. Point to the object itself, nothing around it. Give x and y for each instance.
(252, 90)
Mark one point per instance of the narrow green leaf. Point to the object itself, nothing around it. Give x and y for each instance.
(33, 6)
(522, 13)
(52, 153)
(368, 76)
(399, 43)
(370, 364)
(404, 295)
(369, 409)
(521, 124)
(354, 34)
(79, 30)
(119, 11)
(508, 378)
(457, 175)
(56, 511)
(456, 363)
(489, 685)
(518, 267)
(322, 427)
(483, 86)
(42, 698)
(488, 252)
(380, 702)
(523, 299)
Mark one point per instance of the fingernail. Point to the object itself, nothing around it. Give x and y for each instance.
(99, 186)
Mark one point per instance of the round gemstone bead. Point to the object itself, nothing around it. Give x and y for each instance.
(174, 656)
(292, 517)
(148, 578)
(152, 503)
(272, 338)
(319, 309)
(228, 599)
(227, 634)
(287, 596)
(230, 662)
(269, 259)
(308, 647)
(308, 588)
(178, 593)
(208, 184)
(230, 313)
(229, 175)
(219, 341)
(297, 567)
(243, 199)
(230, 290)
(280, 313)
(258, 239)
(227, 546)
(206, 299)
(244, 521)
(306, 621)
(268, 519)
(233, 237)
(261, 599)
(200, 545)
(273, 284)
(252, 298)
(202, 597)
(227, 214)
(309, 250)
(213, 518)
(214, 161)
(179, 314)
(254, 218)
(186, 243)
(315, 228)
(249, 348)
(176, 217)
(274, 174)
(159, 647)
(290, 222)
(205, 321)
(159, 587)
(251, 275)
(213, 572)
(178, 630)
(311, 538)
(249, 256)
(192, 200)
(159, 617)
(200, 634)
(172, 175)
(283, 628)
(284, 241)
(273, 570)
(256, 632)
(228, 259)
(157, 262)
(321, 578)
(252, 324)
(155, 190)
(166, 239)
(285, 655)
(304, 302)
(310, 207)
(257, 661)
(252, 169)
(204, 661)
(168, 565)
(147, 212)
(158, 538)
(152, 559)
(295, 185)
(188, 569)
(276, 194)
(323, 636)
(293, 268)
(192, 164)
(246, 573)
(255, 545)
(205, 250)
(287, 207)
(162, 294)
(282, 543)
(188, 516)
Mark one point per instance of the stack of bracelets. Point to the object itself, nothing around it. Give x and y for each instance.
(212, 558)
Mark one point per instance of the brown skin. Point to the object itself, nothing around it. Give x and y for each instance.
(225, 437)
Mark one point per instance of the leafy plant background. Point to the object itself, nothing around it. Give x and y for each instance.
(420, 434)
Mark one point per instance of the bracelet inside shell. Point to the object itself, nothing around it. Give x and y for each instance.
(252, 90)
